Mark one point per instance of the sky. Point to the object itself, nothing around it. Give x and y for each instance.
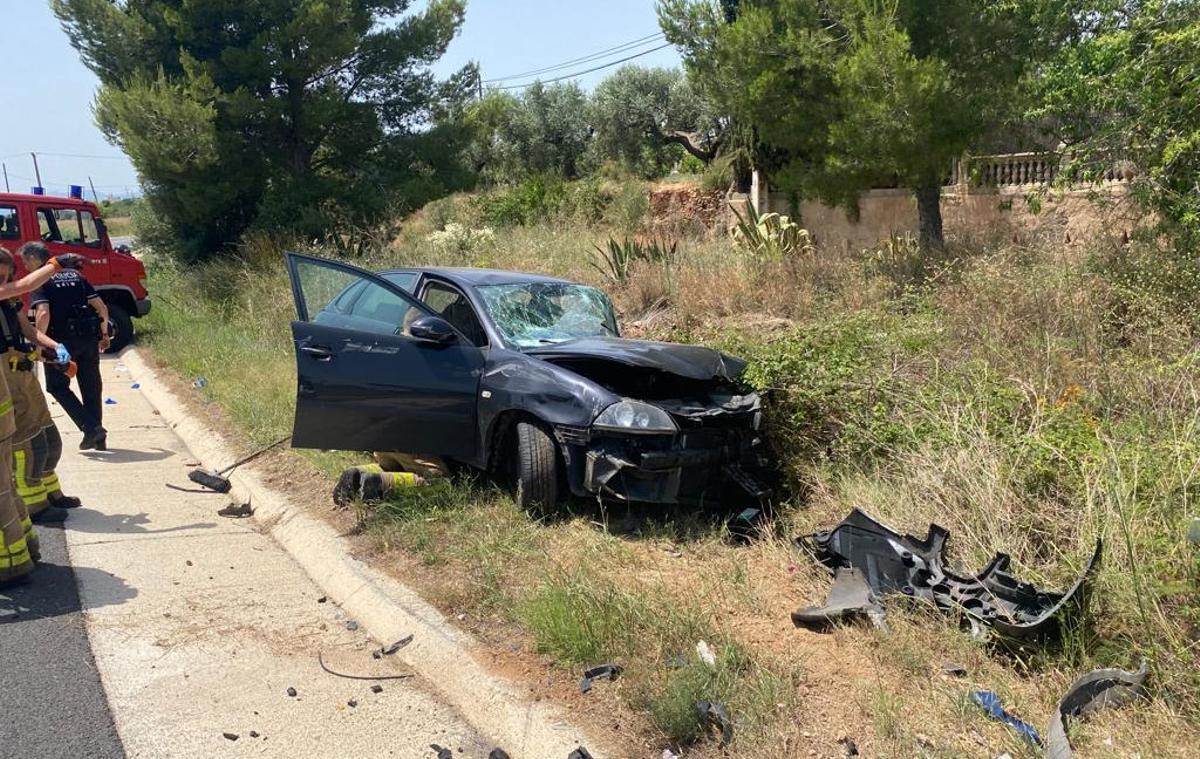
(50, 92)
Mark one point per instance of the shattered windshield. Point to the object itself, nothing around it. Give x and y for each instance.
(531, 314)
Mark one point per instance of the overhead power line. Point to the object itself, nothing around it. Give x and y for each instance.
(575, 74)
(83, 155)
(622, 48)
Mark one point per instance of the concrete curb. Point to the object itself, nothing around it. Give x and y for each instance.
(385, 608)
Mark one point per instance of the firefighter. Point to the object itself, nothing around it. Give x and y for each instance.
(70, 311)
(16, 562)
(31, 443)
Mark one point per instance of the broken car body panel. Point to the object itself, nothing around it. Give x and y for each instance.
(525, 348)
(896, 563)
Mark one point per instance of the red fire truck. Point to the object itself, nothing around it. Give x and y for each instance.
(73, 225)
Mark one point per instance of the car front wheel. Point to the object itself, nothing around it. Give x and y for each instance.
(535, 467)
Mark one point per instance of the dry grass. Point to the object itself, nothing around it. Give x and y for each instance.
(999, 392)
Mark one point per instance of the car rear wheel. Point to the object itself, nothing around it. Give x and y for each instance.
(122, 327)
(535, 466)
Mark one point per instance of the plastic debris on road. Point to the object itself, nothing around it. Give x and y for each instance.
(109, 402)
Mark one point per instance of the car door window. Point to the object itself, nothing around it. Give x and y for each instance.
(10, 224)
(327, 294)
(402, 279)
(90, 231)
(449, 303)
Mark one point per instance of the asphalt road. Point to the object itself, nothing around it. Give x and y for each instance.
(51, 701)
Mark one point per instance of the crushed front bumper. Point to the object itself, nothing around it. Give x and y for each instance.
(687, 467)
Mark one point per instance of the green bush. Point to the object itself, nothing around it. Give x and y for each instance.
(534, 200)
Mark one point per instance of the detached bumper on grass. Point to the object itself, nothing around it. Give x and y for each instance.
(893, 563)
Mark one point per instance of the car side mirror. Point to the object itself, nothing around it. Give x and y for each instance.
(433, 329)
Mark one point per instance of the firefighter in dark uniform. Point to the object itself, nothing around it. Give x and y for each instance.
(70, 311)
(16, 559)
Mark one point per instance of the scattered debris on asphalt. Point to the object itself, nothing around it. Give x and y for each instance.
(324, 666)
(442, 753)
(109, 402)
(990, 703)
(253, 733)
(892, 563)
(498, 753)
(580, 753)
(291, 692)
(705, 652)
(352, 625)
(1096, 690)
(377, 689)
(603, 672)
(322, 599)
(231, 736)
(351, 703)
(849, 745)
(849, 599)
(136, 386)
(236, 511)
(717, 716)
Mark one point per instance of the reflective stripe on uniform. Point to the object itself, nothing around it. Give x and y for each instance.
(15, 555)
(6, 406)
(32, 494)
(50, 482)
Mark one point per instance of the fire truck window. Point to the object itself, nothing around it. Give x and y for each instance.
(10, 226)
(91, 235)
(59, 225)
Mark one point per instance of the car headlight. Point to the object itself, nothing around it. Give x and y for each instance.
(635, 416)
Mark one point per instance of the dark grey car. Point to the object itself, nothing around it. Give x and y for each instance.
(519, 375)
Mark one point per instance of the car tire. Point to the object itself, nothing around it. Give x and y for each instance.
(122, 327)
(535, 476)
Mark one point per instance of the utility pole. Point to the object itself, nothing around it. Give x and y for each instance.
(36, 172)
(6, 187)
(95, 197)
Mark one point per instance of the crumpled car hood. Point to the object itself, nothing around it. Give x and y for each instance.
(688, 361)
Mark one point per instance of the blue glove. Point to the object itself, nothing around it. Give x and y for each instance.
(62, 354)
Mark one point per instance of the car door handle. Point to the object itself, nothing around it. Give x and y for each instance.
(319, 352)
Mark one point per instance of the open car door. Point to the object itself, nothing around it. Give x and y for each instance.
(363, 383)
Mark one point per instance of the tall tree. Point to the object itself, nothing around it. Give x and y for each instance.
(544, 130)
(641, 117)
(846, 94)
(1127, 89)
(291, 114)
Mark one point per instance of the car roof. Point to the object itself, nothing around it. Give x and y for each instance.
(475, 277)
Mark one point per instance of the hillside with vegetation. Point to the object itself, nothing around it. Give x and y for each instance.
(1030, 397)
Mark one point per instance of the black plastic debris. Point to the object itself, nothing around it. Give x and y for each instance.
(1098, 689)
(352, 703)
(580, 753)
(603, 672)
(442, 753)
(850, 599)
(291, 692)
(231, 736)
(253, 733)
(389, 650)
(716, 715)
(990, 703)
(894, 563)
(498, 753)
(236, 511)
(377, 688)
(745, 525)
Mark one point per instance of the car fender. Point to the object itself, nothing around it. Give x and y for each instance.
(514, 385)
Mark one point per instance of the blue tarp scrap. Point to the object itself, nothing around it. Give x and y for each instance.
(990, 703)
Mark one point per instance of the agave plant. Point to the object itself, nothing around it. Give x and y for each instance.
(771, 235)
(615, 261)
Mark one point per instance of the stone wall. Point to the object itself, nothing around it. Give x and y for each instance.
(1068, 217)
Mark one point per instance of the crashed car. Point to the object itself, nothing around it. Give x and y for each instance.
(518, 375)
